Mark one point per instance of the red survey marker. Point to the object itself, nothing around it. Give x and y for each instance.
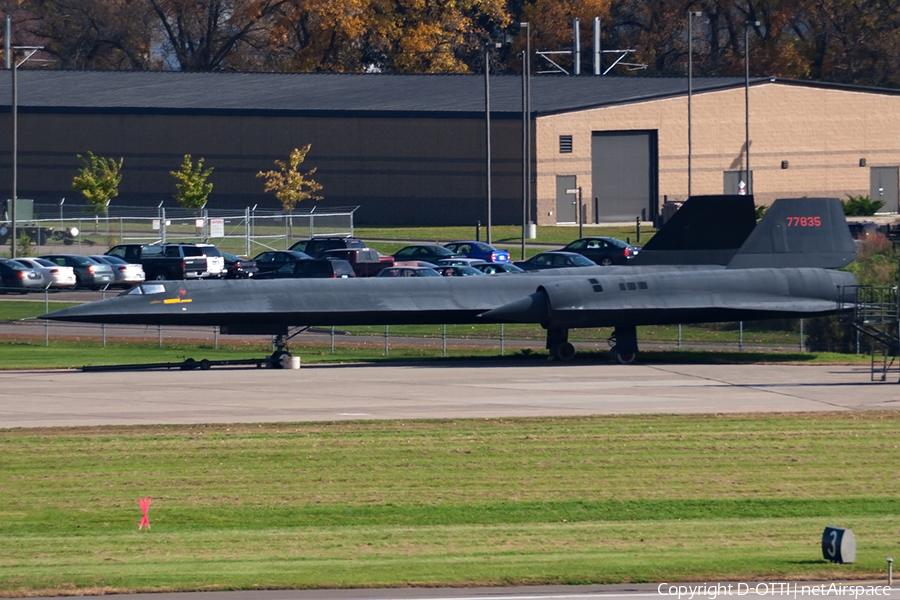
(145, 506)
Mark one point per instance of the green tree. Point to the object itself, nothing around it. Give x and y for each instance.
(290, 185)
(98, 180)
(193, 190)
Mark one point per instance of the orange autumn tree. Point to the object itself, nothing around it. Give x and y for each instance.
(288, 183)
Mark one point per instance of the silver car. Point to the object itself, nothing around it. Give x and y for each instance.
(88, 272)
(53, 275)
(15, 276)
(126, 274)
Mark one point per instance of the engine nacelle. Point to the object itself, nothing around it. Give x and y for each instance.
(551, 305)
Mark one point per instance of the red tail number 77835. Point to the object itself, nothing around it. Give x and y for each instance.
(804, 221)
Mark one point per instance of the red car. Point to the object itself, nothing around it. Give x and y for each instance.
(365, 261)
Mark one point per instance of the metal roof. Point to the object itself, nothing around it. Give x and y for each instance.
(171, 92)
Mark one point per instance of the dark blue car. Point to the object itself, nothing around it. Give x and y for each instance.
(424, 252)
(479, 250)
(272, 260)
(555, 259)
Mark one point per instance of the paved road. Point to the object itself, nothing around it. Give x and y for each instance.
(413, 391)
(772, 590)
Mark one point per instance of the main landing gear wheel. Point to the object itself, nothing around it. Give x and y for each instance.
(623, 357)
(563, 352)
(623, 344)
(278, 358)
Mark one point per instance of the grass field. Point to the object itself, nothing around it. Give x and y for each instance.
(467, 502)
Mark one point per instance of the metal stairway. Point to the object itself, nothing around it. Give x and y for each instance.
(876, 314)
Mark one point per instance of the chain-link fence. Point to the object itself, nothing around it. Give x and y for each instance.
(245, 232)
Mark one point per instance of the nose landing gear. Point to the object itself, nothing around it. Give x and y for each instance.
(281, 357)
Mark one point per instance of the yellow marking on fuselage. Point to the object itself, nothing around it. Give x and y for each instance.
(176, 300)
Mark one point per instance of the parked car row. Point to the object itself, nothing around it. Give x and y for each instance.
(59, 271)
(338, 257)
(597, 250)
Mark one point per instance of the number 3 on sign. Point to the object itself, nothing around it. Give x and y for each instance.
(832, 545)
(804, 221)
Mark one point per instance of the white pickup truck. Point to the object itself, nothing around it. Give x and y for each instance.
(174, 261)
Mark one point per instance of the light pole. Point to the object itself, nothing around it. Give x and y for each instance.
(15, 155)
(487, 129)
(13, 64)
(526, 133)
(691, 15)
(747, 27)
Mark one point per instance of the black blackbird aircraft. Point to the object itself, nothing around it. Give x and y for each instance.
(781, 269)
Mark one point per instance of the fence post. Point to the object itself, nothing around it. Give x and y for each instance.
(247, 231)
(103, 326)
(46, 321)
(332, 339)
(444, 341)
(741, 335)
(800, 346)
(386, 341)
(678, 343)
(502, 339)
(159, 336)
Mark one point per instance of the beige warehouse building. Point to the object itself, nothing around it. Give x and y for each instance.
(805, 140)
(411, 148)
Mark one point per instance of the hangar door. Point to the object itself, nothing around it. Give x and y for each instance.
(624, 175)
(884, 185)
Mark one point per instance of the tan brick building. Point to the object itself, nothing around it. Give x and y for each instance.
(805, 140)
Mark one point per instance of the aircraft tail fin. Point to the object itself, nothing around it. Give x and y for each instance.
(706, 230)
(799, 232)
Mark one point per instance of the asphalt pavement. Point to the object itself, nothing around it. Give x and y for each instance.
(417, 390)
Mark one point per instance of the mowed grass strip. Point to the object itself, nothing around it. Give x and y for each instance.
(464, 502)
(74, 354)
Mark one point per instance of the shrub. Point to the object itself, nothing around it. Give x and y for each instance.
(24, 245)
(876, 262)
(861, 206)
